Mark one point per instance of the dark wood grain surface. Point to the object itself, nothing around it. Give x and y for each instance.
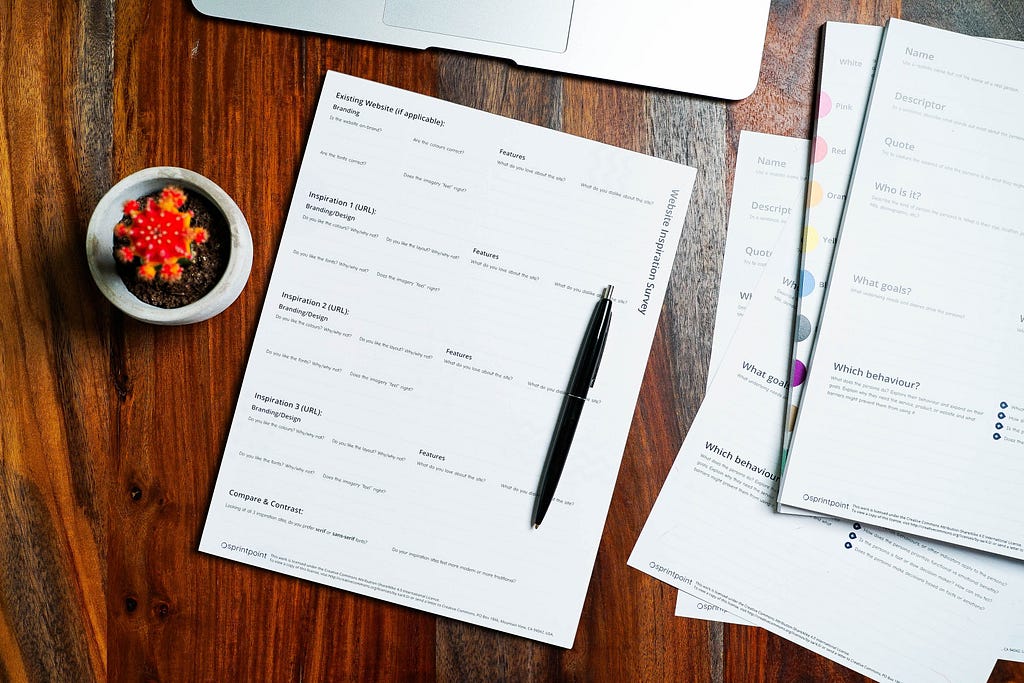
(111, 431)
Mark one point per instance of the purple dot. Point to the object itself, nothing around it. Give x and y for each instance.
(799, 373)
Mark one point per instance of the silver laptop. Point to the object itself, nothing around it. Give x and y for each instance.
(708, 47)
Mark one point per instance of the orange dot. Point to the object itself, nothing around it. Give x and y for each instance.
(814, 193)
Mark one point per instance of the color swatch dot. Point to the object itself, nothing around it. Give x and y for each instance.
(811, 239)
(803, 327)
(814, 194)
(799, 373)
(806, 282)
(824, 105)
(820, 149)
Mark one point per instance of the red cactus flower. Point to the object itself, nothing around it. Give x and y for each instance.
(159, 235)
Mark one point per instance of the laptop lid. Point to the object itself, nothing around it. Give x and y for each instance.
(707, 47)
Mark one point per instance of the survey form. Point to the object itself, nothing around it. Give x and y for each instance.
(437, 270)
(890, 606)
(913, 416)
(849, 53)
(847, 68)
(767, 199)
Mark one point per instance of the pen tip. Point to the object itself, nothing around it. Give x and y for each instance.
(536, 525)
(608, 292)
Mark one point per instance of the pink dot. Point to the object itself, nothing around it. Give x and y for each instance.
(824, 105)
(799, 373)
(820, 149)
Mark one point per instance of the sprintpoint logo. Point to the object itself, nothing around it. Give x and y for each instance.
(668, 572)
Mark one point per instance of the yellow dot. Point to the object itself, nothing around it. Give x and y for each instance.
(811, 238)
(815, 193)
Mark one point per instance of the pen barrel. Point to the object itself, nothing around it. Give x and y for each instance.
(583, 375)
(589, 357)
(565, 429)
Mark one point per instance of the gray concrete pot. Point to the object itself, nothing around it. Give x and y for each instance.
(100, 246)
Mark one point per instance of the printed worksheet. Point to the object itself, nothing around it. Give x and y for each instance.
(912, 418)
(849, 52)
(891, 606)
(770, 171)
(848, 56)
(437, 271)
(767, 199)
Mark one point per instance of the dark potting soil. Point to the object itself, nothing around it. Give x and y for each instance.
(209, 259)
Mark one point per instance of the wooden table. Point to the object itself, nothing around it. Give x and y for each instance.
(111, 430)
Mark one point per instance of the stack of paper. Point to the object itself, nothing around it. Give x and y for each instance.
(916, 397)
(910, 418)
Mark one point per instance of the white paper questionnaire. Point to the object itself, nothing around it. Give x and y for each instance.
(767, 199)
(771, 170)
(849, 52)
(890, 606)
(847, 68)
(436, 273)
(912, 417)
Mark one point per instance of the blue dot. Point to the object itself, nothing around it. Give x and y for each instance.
(996, 436)
(1004, 405)
(856, 525)
(999, 425)
(848, 545)
(806, 282)
(853, 535)
(1001, 416)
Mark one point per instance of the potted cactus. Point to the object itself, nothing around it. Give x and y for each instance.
(168, 246)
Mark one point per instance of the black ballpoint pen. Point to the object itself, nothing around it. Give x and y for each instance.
(583, 375)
